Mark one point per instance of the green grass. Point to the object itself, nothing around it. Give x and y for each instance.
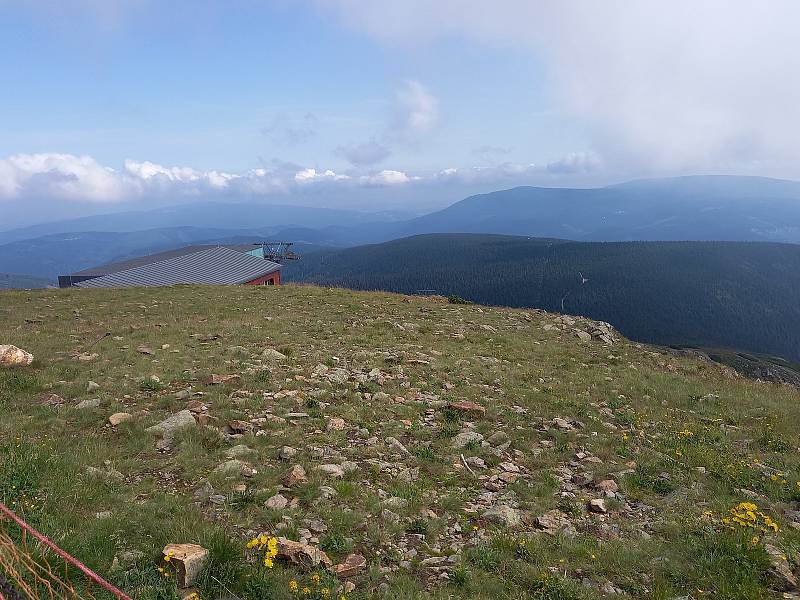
(683, 439)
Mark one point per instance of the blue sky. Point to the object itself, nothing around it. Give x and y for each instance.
(417, 102)
(199, 89)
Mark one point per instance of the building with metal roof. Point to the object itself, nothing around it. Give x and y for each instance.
(199, 265)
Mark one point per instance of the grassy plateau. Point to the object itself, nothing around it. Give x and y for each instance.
(600, 467)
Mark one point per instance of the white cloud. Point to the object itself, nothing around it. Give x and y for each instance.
(416, 111)
(680, 85)
(59, 175)
(386, 177)
(311, 176)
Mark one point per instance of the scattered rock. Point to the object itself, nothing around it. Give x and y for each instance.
(119, 418)
(338, 376)
(11, 356)
(552, 521)
(287, 453)
(333, 470)
(598, 505)
(144, 350)
(222, 380)
(498, 438)
(608, 485)
(335, 424)
(239, 451)
(276, 502)
(326, 492)
(93, 403)
(171, 425)
(780, 570)
(302, 555)
(231, 468)
(467, 437)
(92, 386)
(503, 515)
(396, 444)
(295, 476)
(50, 399)
(271, 354)
(187, 560)
(352, 565)
(468, 407)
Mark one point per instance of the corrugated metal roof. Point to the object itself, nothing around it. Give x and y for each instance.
(124, 265)
(212, 266)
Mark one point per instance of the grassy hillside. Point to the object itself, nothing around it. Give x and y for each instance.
(443, 502)
(715, 294)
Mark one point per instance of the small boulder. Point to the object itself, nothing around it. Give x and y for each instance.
(276, 502)
(92, 386)
(335, 424)
(503, 515)
(273, 355)
(287, 453)
(467, 437)
(295, 476)
(11, 356)
(352, 565)
(93, 403)
(333, 470)
(780, 570)
(302, 555)
(119, 418)
(187, 560)
(598, 505)
(171, 425)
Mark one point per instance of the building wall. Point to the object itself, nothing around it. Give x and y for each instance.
(275, 278)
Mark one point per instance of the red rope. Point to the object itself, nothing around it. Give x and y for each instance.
(70, 559)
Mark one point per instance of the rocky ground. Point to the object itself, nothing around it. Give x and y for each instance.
(304, 442)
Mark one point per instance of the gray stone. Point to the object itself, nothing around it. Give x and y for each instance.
(169, 426)
(277, 502)
(93, 403)
(467, 437)
(503, 515)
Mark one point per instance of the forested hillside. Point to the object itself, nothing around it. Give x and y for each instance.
(714, 294)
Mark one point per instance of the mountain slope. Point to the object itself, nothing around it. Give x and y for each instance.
(450, 451)
(724, 294)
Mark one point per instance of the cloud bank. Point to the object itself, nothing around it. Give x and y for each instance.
(70, 178)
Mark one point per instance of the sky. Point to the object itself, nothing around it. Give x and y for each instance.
(383, 105)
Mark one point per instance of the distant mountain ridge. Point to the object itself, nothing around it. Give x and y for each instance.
(700, 208)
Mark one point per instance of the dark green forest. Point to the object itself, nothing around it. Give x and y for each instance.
(743, 295)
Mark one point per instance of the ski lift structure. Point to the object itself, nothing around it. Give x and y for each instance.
(278, 251)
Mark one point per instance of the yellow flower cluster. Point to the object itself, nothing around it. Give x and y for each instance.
(269, 545)
(686, 433)
(167, 559)
(747, 515)
(317, 592)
